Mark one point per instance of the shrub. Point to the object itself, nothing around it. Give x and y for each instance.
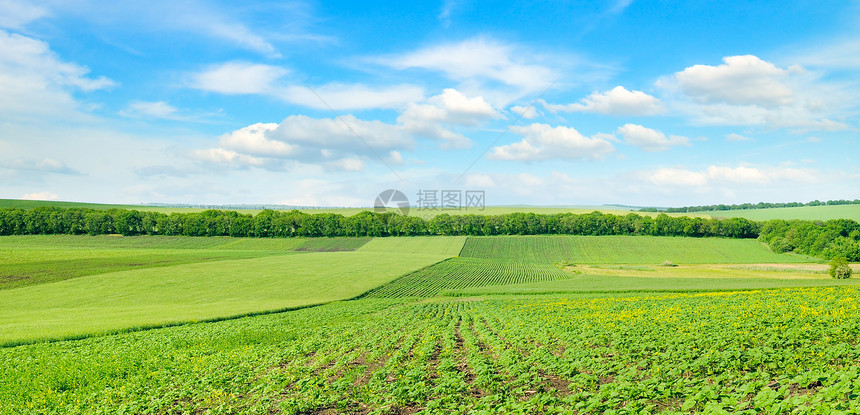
(839, 268)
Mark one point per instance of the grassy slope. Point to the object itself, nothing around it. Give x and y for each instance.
(805, 212)
(126, 299)
(624, 250)
(38, 259)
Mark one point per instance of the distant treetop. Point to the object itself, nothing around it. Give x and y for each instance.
(759, 205)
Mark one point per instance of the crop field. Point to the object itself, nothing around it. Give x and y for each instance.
(521, 324)
(467, 272)
(624, 250)
(787, 350)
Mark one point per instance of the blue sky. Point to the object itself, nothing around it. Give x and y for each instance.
(648, 103)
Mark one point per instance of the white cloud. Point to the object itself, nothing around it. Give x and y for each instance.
(525, 112)
(253, 140)
(449, 108)
(260, 79)
(220, 155)
(617, 101)
(741, 80)
(498, 71)
(35, 83)
(650, 140)
(543, 142)
(16, 13)
(40, 196)
(239, 78)
(394, 157)
(340, 143)
(346, 142)
(746, 90)
(478, 58)
(736, 137)
(723, 175)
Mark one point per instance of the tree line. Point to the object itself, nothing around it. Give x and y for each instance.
(294, 223)
(743, 206)
(828, 239)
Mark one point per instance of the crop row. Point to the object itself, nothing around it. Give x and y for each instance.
(467, 272)
(773, 351)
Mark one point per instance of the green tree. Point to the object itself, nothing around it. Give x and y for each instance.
(839, 268)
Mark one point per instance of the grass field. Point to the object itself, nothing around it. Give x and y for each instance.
(803, 212)
(624, 250)
(207, 290)
(645, 353)
(39, 259)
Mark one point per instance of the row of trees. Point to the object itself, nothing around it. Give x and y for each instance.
(270, 223)
(831, 239)
(759, 205)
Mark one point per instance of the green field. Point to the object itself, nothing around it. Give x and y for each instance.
(803, 212)
(38, 259)
(517, 324)
(467, 272)
(791, 350)
(208, 290)
(624, 250)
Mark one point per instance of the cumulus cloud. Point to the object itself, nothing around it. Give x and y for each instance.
(716, 175)
(543, 142)
(347, 142)
(650, 140)
(220, 155)
(339, 143)
(746, 90)
(741, 80)
(431, 119)
(34, 82)
(617, 101)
